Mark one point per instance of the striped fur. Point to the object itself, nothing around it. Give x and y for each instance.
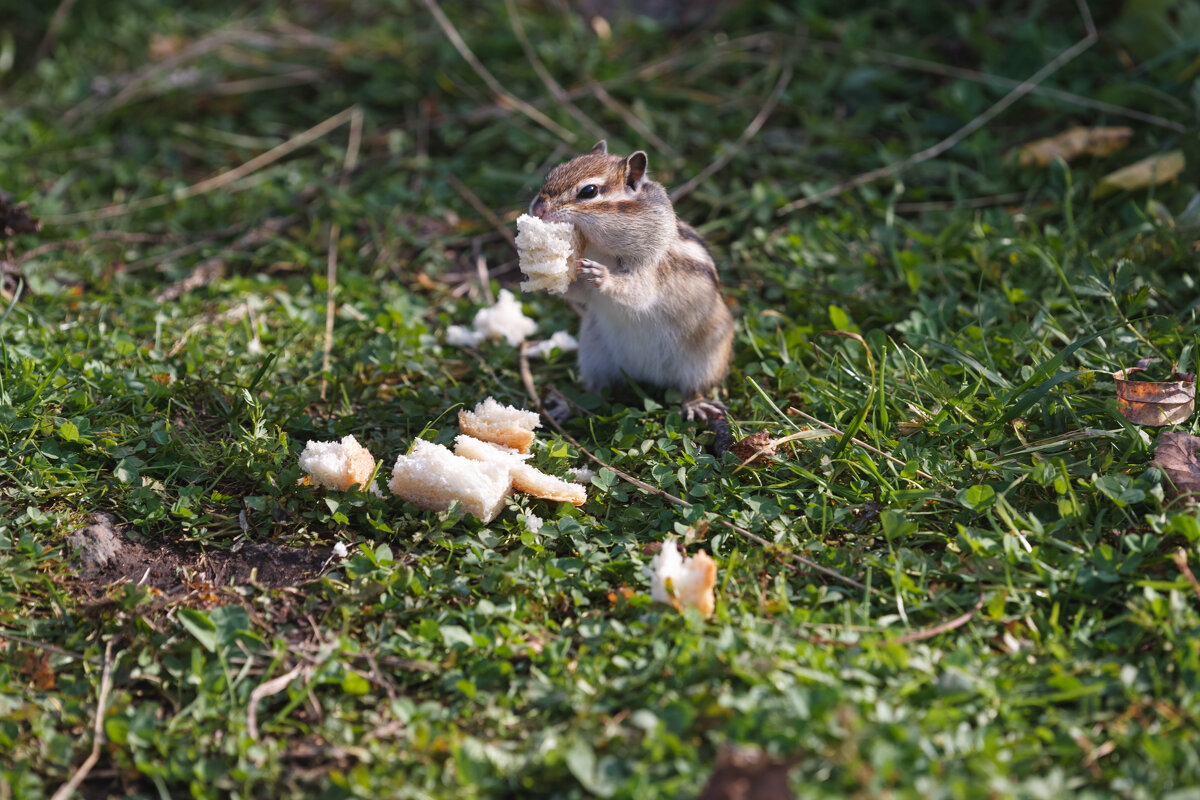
(657, 314)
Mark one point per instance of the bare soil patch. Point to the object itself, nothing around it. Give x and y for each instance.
(105, 556)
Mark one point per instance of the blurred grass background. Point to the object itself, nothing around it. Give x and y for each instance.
(1028, 631)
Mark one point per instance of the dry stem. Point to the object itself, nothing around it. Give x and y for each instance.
(1180, 559)
(503, 96)
(335, 233)
(785, 76)
(860, 443)
(554, 87)
(220, 180)
(267, 689)
(68, 788)
(1022, 89)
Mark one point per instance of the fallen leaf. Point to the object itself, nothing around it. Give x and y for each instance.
(14, 218)
(748, 448)
(1155, 402)
(1148, 172)
(166, 45)
(1176, 456)
(41, 674)
(747, 773)
(1070, 144)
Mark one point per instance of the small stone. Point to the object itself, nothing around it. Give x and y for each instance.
(96, 544)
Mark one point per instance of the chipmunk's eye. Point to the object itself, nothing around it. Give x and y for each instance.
(588, 192)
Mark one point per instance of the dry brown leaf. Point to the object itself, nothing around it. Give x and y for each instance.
(166, 45)
(747, 773)
(1176, 455)
(1070, 144)
(39, 671)
(1155, 402)
(748, 447)
(14, 218)
(1148, 172)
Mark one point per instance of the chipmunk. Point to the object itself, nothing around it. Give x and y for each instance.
(653, 309)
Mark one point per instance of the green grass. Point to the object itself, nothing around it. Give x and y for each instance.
(446, 658)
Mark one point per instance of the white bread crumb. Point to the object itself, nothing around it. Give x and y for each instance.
(337, 465)
(505, 320)
(500, 424)
(684, 583)
(548, 252)
(526, 478)
(560, 340)
(582, 474)
(462, 336)
(431, 477)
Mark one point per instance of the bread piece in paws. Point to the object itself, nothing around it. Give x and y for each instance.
(548, 252)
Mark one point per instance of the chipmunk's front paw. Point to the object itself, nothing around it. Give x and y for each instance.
(593, 272)
(703, 409)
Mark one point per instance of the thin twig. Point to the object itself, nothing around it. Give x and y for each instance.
(68, 788)
(948, 205)
(640, 75)
(219, 181)
(267, 689)
(948, 71)
(554, 87)
(503, 96)
(477, 204)
(208, 43)
(49, 648)
(1180, 559)
(335, 234)
(770, 447)
(140, 85)
(929, 633)
(1022, 89)
(738, 529)
(481, 271)
(210, 269)
(601, 94)
(861, 443)
(785, 77)
(46, 46)
(121, 237)
(265, 83)
(908, 638)
(527, 376)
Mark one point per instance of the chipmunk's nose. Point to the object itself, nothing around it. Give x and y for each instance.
(538, 207)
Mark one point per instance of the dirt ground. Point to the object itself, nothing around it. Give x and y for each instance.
(105, 557)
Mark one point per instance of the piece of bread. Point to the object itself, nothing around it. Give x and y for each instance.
(338, 465)
(548, 252)
(683, 582)
(526, 478)
(559, 340)
(500, 424)
(431, 477)
(505, 320)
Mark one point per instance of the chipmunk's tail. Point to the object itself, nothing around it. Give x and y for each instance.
(719, 425)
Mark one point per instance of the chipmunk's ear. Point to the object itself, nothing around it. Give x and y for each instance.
(635, 170)
(600, 147)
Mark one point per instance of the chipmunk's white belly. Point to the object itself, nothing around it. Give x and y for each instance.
(616, 342)
(645, 342)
